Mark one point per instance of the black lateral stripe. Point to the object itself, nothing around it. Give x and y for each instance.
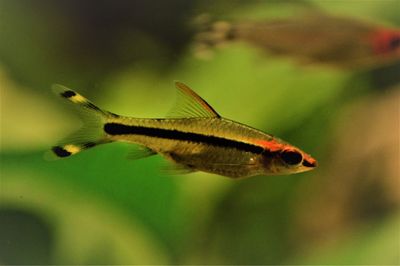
(120, 129)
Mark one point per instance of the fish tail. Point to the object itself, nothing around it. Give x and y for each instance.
(90, 134)
(212, 34)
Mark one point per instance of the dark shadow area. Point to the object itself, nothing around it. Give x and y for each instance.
(26, 238)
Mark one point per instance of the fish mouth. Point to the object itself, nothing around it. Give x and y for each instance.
(310, 164)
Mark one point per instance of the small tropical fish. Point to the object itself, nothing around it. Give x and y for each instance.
(194, 136)
(317, 38)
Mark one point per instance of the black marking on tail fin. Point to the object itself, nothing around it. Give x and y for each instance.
(80, 101)
(72, 148)
(89, 144)
(91, 133)
(67, 94)
(60, 152)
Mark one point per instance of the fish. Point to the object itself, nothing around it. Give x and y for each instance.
(193, 136)
(311, 38)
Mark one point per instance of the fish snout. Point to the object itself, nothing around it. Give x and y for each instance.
(309, 162)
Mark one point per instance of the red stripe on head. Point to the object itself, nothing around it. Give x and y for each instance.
(384, 40)
(270, 145)
(310, 159)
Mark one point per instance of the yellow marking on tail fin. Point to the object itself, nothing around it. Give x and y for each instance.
(90, 135)
(78, 99)
(71, 148)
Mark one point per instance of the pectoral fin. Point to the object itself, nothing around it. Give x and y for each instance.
(140, 152)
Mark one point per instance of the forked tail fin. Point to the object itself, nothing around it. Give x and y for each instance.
(90, 135)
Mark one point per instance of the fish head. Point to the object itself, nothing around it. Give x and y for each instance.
(287, 160)
(387, 42)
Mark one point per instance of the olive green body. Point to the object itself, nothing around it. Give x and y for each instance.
(201, 155)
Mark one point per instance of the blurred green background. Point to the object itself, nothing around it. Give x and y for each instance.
(100, 208)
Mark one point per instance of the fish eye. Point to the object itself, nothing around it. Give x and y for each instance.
(395, 42)
(291, 157)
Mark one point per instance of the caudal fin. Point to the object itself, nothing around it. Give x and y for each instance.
(90, 135)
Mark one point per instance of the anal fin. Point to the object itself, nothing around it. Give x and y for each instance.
(177, 169)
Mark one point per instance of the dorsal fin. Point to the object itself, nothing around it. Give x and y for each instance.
(189, 104)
